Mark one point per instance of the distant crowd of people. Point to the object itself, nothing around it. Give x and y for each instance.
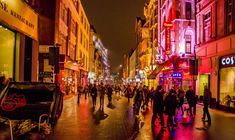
(169, 104)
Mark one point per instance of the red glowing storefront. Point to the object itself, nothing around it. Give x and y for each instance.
(175, 74)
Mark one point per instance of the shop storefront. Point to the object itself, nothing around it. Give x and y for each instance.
(18, 37)
(69, 77)
(227, 81)
(91, 77)
(83, 78)
(174, 74)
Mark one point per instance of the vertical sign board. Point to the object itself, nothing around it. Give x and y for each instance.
(168, 26)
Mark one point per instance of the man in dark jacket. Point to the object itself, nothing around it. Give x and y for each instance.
(110, 92)
(206, 102)
(158, 105)
(94, 94)
(190, 96)
(171, 105)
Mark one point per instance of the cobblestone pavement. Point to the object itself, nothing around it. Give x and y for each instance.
(83, 122)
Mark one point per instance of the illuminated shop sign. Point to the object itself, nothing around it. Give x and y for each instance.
(176, 75)
(19, 15)
(168, 27)
(227, 61)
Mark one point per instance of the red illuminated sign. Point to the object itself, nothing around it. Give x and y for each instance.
(167, 24)
(168, 27)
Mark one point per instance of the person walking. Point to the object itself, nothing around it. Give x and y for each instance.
(158, 105)
(190, 96)
(206, 102)
(85, 91)
(110, 92)
(102, 93)
(128, 92)
(181, 99)
(94, 94)
(138, 99)
(171, 105)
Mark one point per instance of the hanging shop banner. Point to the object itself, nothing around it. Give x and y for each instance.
(168, 26)
(20, 16)
(227, 61)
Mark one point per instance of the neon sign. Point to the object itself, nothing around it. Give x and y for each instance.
(227, 61)
(168, 27)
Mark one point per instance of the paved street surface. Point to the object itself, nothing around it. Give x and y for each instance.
(82, 122)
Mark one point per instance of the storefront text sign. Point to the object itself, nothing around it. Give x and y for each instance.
(176, 75)
(227, 61)
(20, 16)
(168, 27)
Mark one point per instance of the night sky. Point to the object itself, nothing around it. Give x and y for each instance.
(114, 21)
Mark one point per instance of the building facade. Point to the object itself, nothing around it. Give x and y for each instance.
(63, 24)
(91, 69)
(142, 39)
(151, 16)
(176, 43)
(215, 49)
(102, 64)
(19, 41)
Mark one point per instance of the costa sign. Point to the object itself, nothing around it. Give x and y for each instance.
(227, 61)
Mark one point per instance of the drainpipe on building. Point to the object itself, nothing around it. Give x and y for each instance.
(195, 56)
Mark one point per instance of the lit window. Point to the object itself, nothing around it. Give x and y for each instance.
(188, 44)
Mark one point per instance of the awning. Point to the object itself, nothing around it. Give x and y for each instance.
(156, 71)
(173, 60)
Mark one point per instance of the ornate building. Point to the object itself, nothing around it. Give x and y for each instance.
(176, 33)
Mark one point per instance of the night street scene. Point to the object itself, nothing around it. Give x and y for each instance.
(117, 69)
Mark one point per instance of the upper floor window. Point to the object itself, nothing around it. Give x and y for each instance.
(188, 10)
(64, 14)
(82, 18)
(229, 16)
(73, 27)
(76, 4)
(207, 27)
(81, 36)
(187, 44)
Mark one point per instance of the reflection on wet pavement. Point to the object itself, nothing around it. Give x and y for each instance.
(116, 122)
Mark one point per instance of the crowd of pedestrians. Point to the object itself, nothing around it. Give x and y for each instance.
(164, 105)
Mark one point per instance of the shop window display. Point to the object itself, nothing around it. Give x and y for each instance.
(7, 39)
(227, 87)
